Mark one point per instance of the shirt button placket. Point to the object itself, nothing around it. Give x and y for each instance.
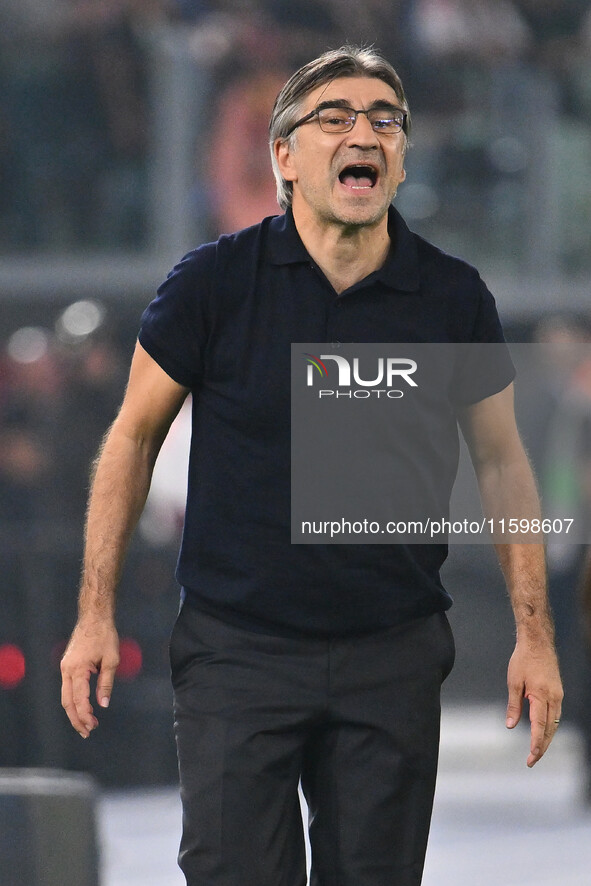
(336, 306)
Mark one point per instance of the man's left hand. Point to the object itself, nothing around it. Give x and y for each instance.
(533, 674)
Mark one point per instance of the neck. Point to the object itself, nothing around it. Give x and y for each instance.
(345, 254)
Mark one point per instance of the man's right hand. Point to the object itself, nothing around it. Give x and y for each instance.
(93, 649)
(119, 489)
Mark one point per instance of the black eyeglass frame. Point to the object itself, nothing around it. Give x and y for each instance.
(353, 116)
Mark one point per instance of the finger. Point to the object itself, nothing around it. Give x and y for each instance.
(81, 697)
(554, 714)
(104, 685)
(549, 731)
(514, 706)
(538, 715)
(70, 708)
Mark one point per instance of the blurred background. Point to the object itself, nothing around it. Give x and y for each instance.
(131, 131)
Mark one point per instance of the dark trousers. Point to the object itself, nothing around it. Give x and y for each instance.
(356, 720)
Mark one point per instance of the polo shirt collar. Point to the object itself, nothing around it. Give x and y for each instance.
(400, 271)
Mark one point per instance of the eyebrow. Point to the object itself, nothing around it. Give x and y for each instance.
(346, 103)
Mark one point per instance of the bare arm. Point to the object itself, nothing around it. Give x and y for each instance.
(508, 489)
(118, 494)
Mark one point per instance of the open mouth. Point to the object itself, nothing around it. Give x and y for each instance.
(358, 177)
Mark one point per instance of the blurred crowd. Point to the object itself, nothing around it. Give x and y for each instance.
(61, 382)
(77, 79)
(58, 394)
(559, 444)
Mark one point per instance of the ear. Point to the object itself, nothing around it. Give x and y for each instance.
(285, 160)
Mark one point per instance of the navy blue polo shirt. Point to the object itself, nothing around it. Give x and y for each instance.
(222, 325)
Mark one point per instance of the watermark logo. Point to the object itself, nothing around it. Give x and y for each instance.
(315, 363)
(386, 371)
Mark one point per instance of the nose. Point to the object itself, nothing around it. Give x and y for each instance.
(363, 133)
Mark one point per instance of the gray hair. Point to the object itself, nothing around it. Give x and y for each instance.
(348, 61)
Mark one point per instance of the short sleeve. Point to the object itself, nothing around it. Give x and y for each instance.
(174, 326)
(483, 365)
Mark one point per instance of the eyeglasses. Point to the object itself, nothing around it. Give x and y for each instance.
(385, 121)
